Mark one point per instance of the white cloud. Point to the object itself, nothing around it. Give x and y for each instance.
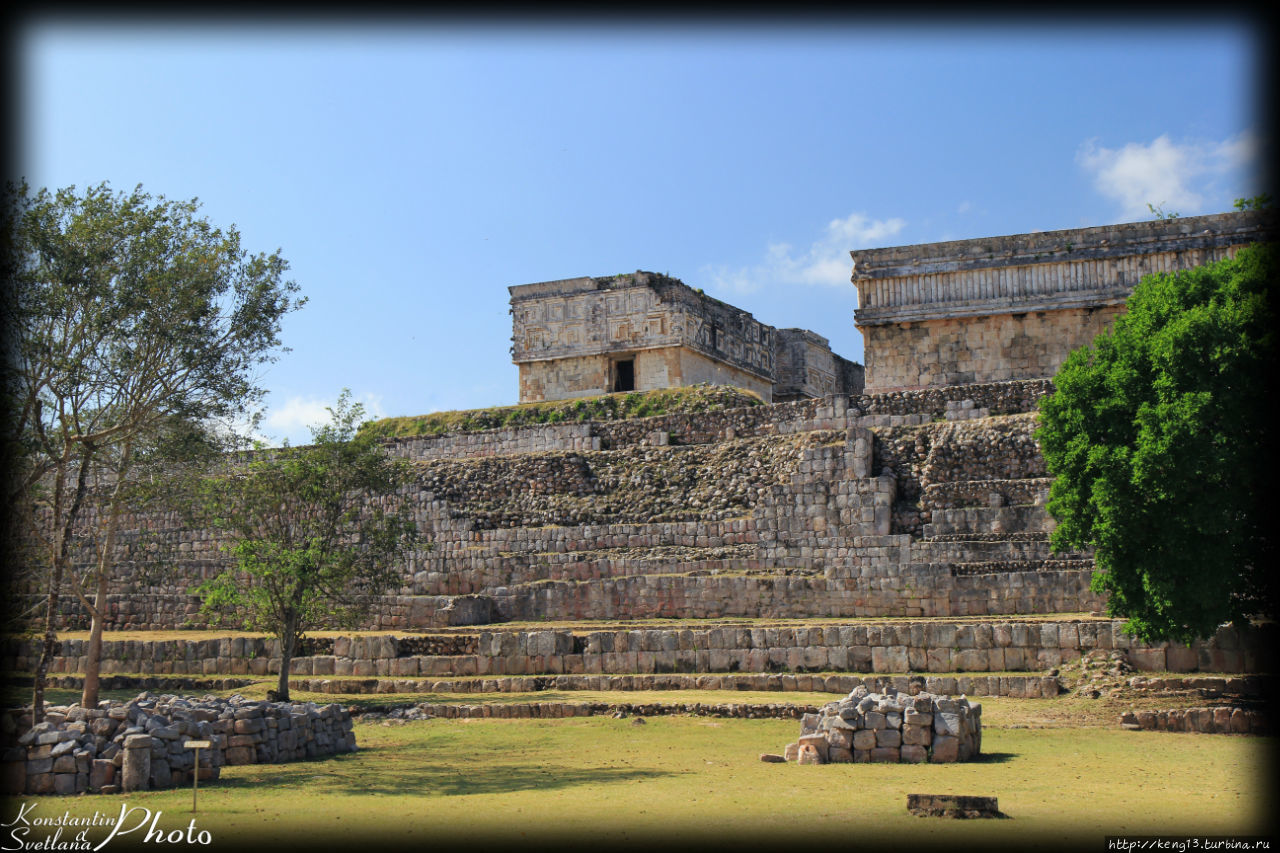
(964, 207)
(1176, 177)
(293, 420)
(826, 261)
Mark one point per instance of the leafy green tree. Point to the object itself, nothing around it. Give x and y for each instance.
(316, 532)
(1157, 438)
(1261, 201)
(127, 314)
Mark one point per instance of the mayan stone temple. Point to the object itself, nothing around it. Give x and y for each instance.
(912, 490)
(586, 336)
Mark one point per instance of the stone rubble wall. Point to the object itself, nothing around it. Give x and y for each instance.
(836, 412)
(141, 744)
(933, 647)
(890, 727)
(1218, 720)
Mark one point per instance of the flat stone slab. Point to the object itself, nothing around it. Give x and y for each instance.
(953, 806)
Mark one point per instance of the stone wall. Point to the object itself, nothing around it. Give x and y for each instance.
(961, 350)
(142, 744)
(998, 308)
(895, 647)
(806, 367)
(1037, 686)
(1217, 720)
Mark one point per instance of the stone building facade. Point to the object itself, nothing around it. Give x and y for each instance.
(585, 336)
(1001, 308)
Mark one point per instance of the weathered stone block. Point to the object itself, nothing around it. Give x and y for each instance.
(885, 755)
(840, 755)
(888, 738)
(945, 749)
(809, 755)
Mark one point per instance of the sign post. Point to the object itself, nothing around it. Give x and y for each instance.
(197, 745)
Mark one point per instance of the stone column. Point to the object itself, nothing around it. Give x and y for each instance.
(136, 769)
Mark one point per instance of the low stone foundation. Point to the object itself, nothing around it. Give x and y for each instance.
(1221, 720)
(948, 805)
(1014, 686)
(142, 744)
(557, 710)
(886, 647)
(890, 727)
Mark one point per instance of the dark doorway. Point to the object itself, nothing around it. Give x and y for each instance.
(626, 375)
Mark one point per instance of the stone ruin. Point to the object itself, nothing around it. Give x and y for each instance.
(142, 744)
(950, 805)
(890, 727)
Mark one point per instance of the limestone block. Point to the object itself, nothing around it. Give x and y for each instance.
(840, 755)
(1148, 660)
(818, 742)
(136, 769)
(161, 777)
(809, 755)
(840, 739)
(864, 739)
(1180, 658)
(888, 738)
(917, 735)
(945, 749)
(885, 755)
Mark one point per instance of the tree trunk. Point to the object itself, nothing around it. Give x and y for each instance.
(60, 555)
(97, 613)
(93, 654)
(288, 642)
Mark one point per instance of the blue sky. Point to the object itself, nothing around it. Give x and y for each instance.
(411, 170)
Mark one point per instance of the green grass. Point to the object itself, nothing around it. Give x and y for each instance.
(606, 783)
(605, 407)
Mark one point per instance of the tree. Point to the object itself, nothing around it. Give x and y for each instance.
(1156, 435)
(130, 314)
(315, 533)
(1262, 201)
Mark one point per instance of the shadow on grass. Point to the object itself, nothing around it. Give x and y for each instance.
(994, 758)
(396, 773)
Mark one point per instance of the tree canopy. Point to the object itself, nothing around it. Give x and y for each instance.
(131, 320)
(1156, 437)
(315, 532)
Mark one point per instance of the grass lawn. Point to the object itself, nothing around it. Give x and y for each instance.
(607, 783)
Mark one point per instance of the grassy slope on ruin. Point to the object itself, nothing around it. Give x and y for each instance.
(606, 407)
